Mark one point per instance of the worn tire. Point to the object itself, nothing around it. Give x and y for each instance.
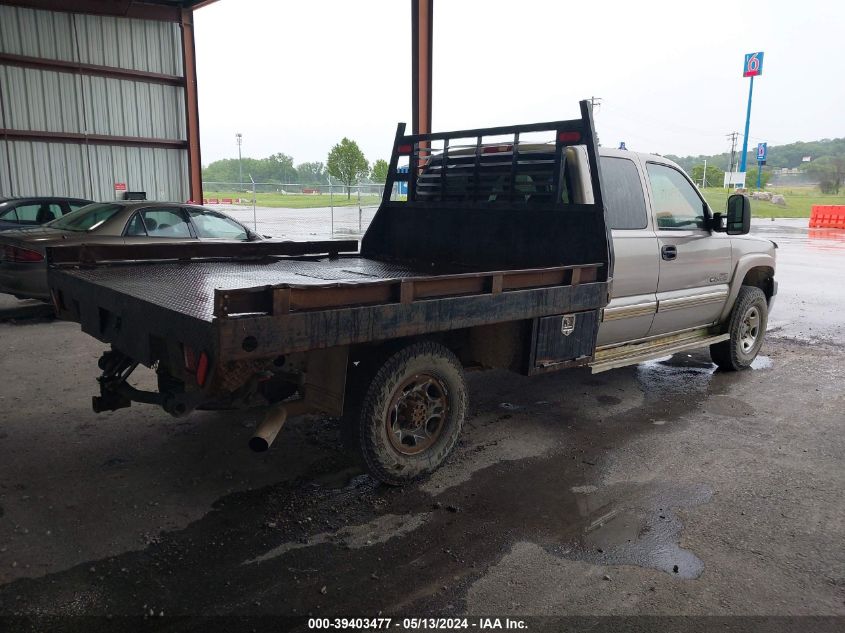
(409, 381)
(747, 328)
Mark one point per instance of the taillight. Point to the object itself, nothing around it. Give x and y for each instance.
(404, 149)
(197, 365)
(202, 369)
(21, 255)
(569, 137)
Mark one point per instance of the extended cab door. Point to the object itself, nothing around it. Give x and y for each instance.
(695, 264)
(633, 303)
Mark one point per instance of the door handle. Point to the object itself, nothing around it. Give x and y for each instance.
(669, 252)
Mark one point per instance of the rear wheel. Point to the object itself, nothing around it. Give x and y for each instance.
(747, 328)
(412, 413)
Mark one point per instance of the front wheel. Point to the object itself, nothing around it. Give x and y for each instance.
(412, 413)
(747, 329)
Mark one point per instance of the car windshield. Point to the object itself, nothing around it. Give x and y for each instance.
(85, 219)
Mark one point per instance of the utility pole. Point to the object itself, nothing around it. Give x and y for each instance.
(752, 67)
(732, 136)
(704, 175)
(239, 138)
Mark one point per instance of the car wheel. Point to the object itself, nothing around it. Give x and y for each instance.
(412, 413)
(747, 328)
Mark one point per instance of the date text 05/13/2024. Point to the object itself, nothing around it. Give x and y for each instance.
(429, 624)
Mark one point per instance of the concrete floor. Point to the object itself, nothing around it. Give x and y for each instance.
(665, 488)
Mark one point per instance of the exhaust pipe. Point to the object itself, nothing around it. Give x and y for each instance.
(274, 420)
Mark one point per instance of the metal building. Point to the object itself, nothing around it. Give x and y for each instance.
(98, 95)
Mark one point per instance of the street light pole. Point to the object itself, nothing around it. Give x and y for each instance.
(240, 137)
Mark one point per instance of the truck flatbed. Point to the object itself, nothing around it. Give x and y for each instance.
(498, 256)
(295, 304)
(190, 288)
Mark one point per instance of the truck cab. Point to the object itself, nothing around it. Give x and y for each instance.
(676, 269)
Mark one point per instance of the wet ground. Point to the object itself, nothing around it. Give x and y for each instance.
(665, 488)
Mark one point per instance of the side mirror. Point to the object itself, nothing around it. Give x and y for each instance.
(738, 215)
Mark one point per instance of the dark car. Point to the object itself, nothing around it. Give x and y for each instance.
(18, 213)
(23, 269)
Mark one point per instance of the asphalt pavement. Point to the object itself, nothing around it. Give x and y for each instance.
(664, 488)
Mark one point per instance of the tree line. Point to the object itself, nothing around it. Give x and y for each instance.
(826, 164)
(345, 164)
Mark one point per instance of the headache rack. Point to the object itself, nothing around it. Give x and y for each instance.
(493, 166)
(519, 196)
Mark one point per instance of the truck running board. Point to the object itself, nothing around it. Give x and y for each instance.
(615, 356)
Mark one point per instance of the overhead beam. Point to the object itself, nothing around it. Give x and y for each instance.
(422, 32)
(94, 70)
(192, 115)
(119, 8)
(90, 139)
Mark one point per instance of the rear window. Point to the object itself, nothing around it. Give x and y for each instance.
(87, 218)
(624, 200)
(77, 204)
(501, 178)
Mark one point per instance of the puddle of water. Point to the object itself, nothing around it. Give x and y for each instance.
(379, 530)
(762, 362)
(641, 529)
(626, 523)
(682, 373)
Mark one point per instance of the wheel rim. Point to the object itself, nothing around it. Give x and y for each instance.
(417, 414)
(749, 329)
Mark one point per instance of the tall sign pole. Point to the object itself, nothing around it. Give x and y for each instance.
(762, 151)
(752, 68)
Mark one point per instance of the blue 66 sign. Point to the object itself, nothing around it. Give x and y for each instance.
(753, 64)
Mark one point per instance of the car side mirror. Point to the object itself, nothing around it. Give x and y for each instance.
(738, 212)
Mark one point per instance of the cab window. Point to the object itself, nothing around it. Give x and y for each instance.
(677, 205)
(624, 200)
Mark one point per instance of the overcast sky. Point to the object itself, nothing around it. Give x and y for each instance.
(295, 77)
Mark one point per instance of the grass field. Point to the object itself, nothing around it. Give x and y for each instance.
(799, 201)
(297, 201)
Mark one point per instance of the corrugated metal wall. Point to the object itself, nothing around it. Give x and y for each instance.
(50, 101)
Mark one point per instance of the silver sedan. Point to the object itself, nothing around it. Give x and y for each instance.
(23, 268)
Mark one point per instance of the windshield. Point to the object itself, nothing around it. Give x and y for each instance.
(85, 219)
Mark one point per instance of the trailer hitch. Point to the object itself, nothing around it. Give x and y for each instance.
(115, 392)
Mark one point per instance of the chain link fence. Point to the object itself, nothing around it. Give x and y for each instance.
(296, 210)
